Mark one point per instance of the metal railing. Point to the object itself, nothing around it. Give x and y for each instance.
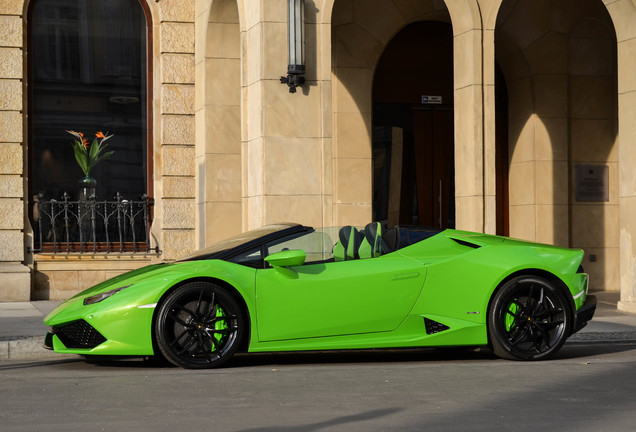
(92, 226)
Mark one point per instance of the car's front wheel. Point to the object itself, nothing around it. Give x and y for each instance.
(528, 319)
(198, 326)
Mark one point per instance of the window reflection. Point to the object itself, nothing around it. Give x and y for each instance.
(88, 73)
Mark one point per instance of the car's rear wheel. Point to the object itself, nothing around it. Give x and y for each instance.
(198, 326)
(528, 319)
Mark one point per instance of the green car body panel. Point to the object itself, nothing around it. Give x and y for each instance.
(382, 302)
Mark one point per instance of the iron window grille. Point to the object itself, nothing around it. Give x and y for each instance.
(92, 226)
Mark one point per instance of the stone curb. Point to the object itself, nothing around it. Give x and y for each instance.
(602, 337)
(29, 348)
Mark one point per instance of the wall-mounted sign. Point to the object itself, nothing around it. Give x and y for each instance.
(431, 100)
(591, 182)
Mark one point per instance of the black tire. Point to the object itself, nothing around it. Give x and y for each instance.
(528, 319)
(199, 326)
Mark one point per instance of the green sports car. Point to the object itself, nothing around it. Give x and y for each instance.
(290, 287)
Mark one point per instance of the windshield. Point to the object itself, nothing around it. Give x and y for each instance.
(235, 241)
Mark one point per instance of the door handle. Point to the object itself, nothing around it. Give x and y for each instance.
(403, 276)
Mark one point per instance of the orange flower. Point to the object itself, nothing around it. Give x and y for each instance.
(87, 155)
(78, 135)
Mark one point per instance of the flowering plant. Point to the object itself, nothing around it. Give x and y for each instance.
(88, 155)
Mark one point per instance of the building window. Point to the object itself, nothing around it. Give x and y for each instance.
(88, 72)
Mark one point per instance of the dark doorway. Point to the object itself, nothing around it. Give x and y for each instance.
(501, 152)
(413, 132)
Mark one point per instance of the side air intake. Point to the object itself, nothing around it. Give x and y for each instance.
(433, 327)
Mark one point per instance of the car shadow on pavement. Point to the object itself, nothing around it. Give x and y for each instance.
(582, 351)
(25, 364)
(337, 422)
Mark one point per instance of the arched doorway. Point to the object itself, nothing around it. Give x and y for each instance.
(561, 78)
(413, 132)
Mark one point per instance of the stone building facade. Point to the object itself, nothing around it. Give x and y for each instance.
(523, 97)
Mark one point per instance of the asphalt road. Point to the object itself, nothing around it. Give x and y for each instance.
(588, 387)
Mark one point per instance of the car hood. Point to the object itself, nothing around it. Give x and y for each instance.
(146, 286)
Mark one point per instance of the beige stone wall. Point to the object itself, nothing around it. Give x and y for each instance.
(623, 15)
(59, 277)
(469, 82)
(360, 32)
(218, 121)
(285, 136)
(561, 78)
(174, 225)
(174, 145)
(234, 150)
(15, 276)
(594, 140)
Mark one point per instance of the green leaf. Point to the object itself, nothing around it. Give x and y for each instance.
(94, 150)
(106, 155)
(80, 157)
(88, 158)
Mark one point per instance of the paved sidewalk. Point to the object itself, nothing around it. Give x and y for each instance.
(22, 331)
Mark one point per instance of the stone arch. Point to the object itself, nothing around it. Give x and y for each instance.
(218, 115)
(360, 32)
(557, 58)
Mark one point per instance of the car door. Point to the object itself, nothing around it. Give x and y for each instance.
(336, 298)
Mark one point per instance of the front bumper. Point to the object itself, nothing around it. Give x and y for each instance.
(585, 313)
(77, 329)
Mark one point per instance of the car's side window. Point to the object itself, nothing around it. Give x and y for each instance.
(251, 258)
(318, 246)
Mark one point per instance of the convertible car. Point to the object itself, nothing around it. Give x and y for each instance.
(290, 287)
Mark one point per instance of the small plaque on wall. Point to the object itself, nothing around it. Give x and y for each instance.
(431, 100)
(592, 183)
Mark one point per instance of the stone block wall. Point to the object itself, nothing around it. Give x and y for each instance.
(15, 276)
(234, 150)
(175, 224)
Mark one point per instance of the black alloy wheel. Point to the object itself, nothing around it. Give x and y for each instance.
(528, 319)
(199, 326)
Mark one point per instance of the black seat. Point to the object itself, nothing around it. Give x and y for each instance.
(348, 244)
(372, 245)
(391, 239)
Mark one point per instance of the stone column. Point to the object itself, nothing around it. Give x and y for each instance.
(623, 15)
(469, 115)
(174, 149)
(489, 10)
(283, 144)
(15, 276)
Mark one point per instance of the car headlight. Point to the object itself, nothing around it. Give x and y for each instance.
(102, 296)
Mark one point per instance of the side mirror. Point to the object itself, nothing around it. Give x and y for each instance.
(288, 258)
